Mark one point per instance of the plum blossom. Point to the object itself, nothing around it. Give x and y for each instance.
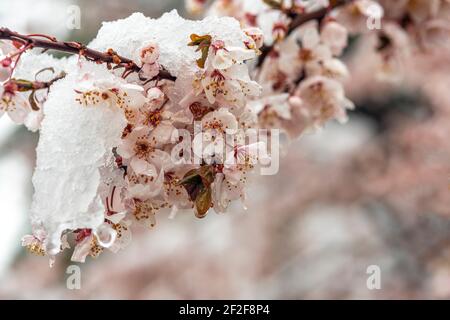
(210, 145)
(149, 56)
(323, 99)
(6, 62)
(355, 16)
(334, 36)
(108, 92)
(227, 86)
(13, 103)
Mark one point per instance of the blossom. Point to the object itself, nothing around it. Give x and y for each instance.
(229, 184)
(12, 103)
(356, 15)
(150, 53)
(149, 56)
(110, 93)
(139, 148)
(302, 48)
(228, 86)
(323, 99)
(334, 36)
(210, 144)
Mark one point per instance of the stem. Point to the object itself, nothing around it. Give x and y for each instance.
(25, 85)
(300, 19)
(49, 43)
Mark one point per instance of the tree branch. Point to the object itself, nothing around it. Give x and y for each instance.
(50, 43)
(299, 19)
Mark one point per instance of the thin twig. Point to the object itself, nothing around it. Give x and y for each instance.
(49, 43)
(300, 19)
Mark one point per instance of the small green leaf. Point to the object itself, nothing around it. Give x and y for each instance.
(24, 85)
(207, 175)
(197, 40)
(202, 43)
(197, 183)
(203, 202)
(190, 177)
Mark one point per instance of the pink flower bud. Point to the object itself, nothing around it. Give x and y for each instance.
(6, 62)
(150, 53)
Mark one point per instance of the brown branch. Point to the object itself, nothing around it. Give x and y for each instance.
(300, 19)
(49, 43)
(25, 85)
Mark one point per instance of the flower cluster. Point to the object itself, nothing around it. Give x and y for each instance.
(179, 129)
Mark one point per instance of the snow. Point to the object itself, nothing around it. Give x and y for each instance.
(74, 143)
(172, 33)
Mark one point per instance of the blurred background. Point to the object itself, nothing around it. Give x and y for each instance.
(372, 192)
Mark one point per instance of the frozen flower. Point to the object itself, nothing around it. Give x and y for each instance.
(221, 57)
(123, 235)
(111, 93)
(35, 243)
(87, 245)
(302, 48)
(149, 54)
(143, 186)
(160, 115)
(149, 58)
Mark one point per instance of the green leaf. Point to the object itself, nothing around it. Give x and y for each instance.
(24, 85)
(203, 202)
(207, 174)
(197, 183)
(197, 40)
(202, 43)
